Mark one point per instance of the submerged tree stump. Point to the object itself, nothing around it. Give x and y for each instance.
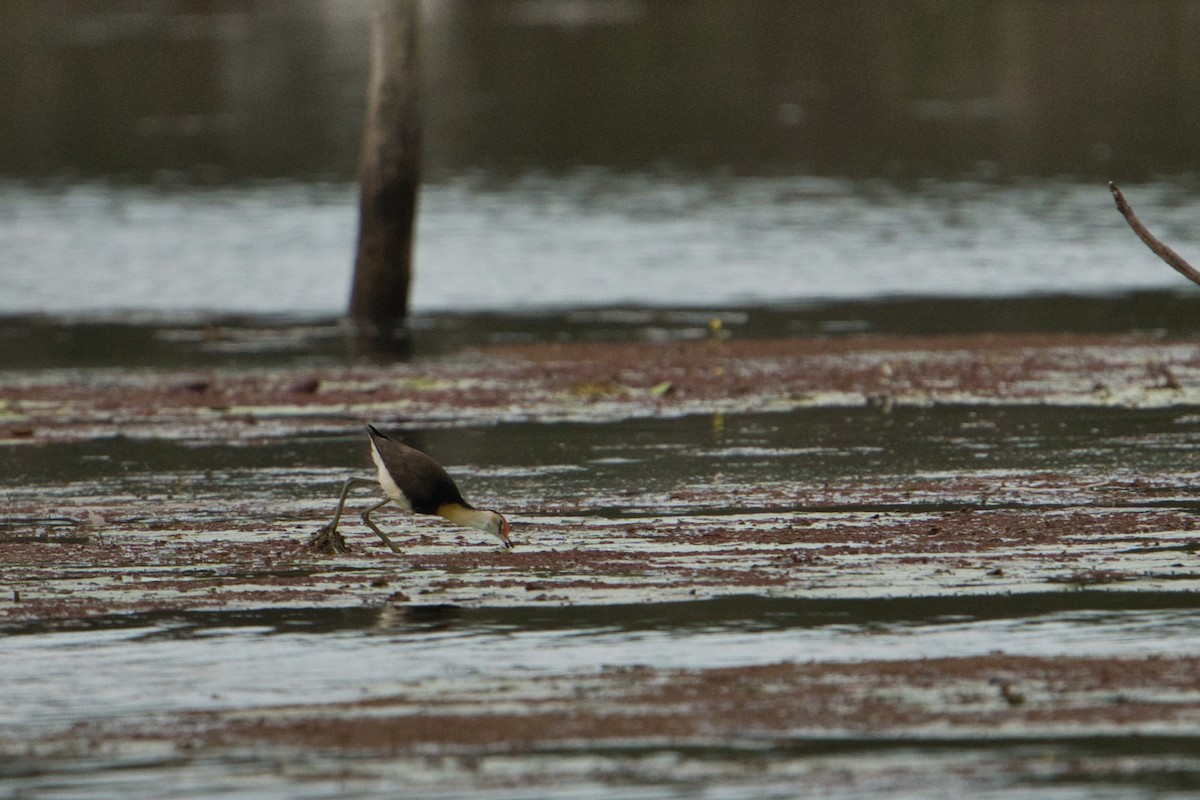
(389, 179)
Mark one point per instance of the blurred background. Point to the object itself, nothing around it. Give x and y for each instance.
(200, 155)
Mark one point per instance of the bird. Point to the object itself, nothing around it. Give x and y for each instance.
(418, 484)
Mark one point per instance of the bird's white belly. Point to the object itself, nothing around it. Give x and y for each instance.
(385, 480)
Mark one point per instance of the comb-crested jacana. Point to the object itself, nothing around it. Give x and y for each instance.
(416, 483)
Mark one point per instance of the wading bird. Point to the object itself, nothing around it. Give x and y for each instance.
(416, 483)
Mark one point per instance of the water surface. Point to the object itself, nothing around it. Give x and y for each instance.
(580, 239)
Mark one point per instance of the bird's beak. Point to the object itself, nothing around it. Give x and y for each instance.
(508, 543)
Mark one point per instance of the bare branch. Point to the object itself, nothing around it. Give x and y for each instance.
(1176, 261)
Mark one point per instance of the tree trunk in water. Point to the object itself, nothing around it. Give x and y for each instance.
(389, 177)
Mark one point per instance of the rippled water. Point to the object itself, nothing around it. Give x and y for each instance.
(593, 239)
(151, 668)
(580, 239)
(203, 661)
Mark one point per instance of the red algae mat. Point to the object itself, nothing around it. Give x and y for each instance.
(947, 470)
(975, 531)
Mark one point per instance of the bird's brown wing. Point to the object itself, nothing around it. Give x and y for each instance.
(424, 482)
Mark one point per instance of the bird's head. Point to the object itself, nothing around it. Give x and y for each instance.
(497, 526)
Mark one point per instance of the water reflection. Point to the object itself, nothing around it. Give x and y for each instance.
(902, 88)
(731, 614)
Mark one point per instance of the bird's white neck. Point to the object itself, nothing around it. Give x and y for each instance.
(467, 517)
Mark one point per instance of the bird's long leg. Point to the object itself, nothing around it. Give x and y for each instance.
(327, 539)
(346, 487)
(366, 518)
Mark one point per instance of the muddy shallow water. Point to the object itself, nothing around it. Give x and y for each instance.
(756, 567)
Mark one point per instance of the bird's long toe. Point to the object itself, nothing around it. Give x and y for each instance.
(327, 540)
